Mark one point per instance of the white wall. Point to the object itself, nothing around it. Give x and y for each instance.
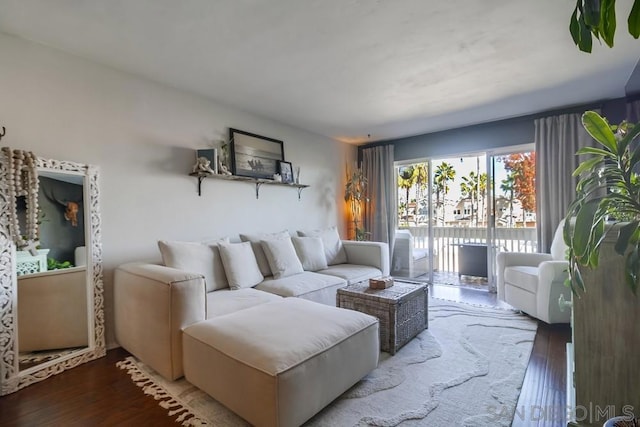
(142, 135)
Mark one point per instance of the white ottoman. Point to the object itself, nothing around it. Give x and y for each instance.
(278, 364)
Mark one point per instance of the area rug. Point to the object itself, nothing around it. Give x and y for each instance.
(465, 370)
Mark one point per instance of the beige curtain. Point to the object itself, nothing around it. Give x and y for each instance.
(557, 139)
(380, 211)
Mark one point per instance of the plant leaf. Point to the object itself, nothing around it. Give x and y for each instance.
(607, 24)
(625, 235)
(587, 165)
(632, 267)
(594, 151)
(599, 129)
(591, 12)
(585, 42)
(574, 27)
(634, 20)
(632, 134)
(583, 226)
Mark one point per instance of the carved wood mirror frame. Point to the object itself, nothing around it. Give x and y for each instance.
(11, 378)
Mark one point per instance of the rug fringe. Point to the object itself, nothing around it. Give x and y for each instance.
(187, 417)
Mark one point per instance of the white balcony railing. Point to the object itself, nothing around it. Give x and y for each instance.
(447, 239)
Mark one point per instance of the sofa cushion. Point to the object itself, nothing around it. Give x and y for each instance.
(240, 265)
(227, 301)
(256, 240)
(523, 277)
(352, 273)
(303, 285)
(333, 249)
(198, 258)
(310, 250)
(282, 257)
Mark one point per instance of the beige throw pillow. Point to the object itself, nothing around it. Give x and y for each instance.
(195, 257)
(282, 257)
(240, 265)
(333, 249)
(255, 240)
(310, 251)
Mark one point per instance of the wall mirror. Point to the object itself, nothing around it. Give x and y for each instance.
(51, 305)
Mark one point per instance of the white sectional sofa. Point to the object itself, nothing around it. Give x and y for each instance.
(153, 303)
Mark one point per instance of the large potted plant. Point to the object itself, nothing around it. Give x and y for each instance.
(602, 231)
(355, 194)
(608, 193)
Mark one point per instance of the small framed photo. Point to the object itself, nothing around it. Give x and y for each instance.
(286, 171)
(211, 163)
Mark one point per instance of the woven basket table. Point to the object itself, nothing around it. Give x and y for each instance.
(401, 309)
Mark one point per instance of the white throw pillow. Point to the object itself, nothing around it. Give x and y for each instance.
(333, 249)
(282, 257)
(198, 258)
(310, 250)
(240, 265)
(255, 240)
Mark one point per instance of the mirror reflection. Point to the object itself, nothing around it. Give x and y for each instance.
(53, 283)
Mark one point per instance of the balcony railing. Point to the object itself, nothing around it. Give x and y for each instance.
(448, 239)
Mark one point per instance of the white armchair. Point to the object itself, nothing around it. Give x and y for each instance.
(534, 282)
(409, 261)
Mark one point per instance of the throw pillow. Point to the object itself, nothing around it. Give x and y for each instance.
(255, 240)
(282, 257)
(333, 249)
(240, 265)
(310, 250)
(195, 258)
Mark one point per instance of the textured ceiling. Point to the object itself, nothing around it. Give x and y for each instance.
(344, 68)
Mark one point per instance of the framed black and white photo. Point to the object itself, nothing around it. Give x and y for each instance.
(211, 154)
(286, 171)
(253, 155)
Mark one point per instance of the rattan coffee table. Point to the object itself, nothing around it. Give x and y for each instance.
(401, 309)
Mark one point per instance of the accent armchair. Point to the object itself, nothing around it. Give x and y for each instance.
(409, 261)
(534, 282)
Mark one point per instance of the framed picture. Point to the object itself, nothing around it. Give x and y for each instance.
(211, 154)
(286, 171)
(253, 155)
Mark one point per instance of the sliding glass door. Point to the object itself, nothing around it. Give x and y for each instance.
(456, 213)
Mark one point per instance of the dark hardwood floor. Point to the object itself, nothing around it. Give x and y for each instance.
(100, 394)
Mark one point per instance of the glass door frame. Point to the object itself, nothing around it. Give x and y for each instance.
(492, 249)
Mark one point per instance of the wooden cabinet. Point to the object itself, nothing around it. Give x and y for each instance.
(606, 343)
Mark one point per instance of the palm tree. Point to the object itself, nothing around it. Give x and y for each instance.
(482, 196)
(443, 175)
(508, 189)
(407, 177)
(469, 189)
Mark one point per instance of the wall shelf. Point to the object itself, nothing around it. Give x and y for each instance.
(257, 182)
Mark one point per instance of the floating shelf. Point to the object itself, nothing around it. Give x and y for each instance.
(258, 182)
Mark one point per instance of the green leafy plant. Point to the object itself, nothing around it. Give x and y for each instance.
(597, 18)
(608, 193)
(53, 264)
(355, 195)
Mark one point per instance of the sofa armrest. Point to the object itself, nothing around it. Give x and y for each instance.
(152, 304)
(375, 254)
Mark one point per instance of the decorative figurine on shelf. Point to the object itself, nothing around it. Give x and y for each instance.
(297, 175)
(277, 177)
(203, 165)
(222, 168)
